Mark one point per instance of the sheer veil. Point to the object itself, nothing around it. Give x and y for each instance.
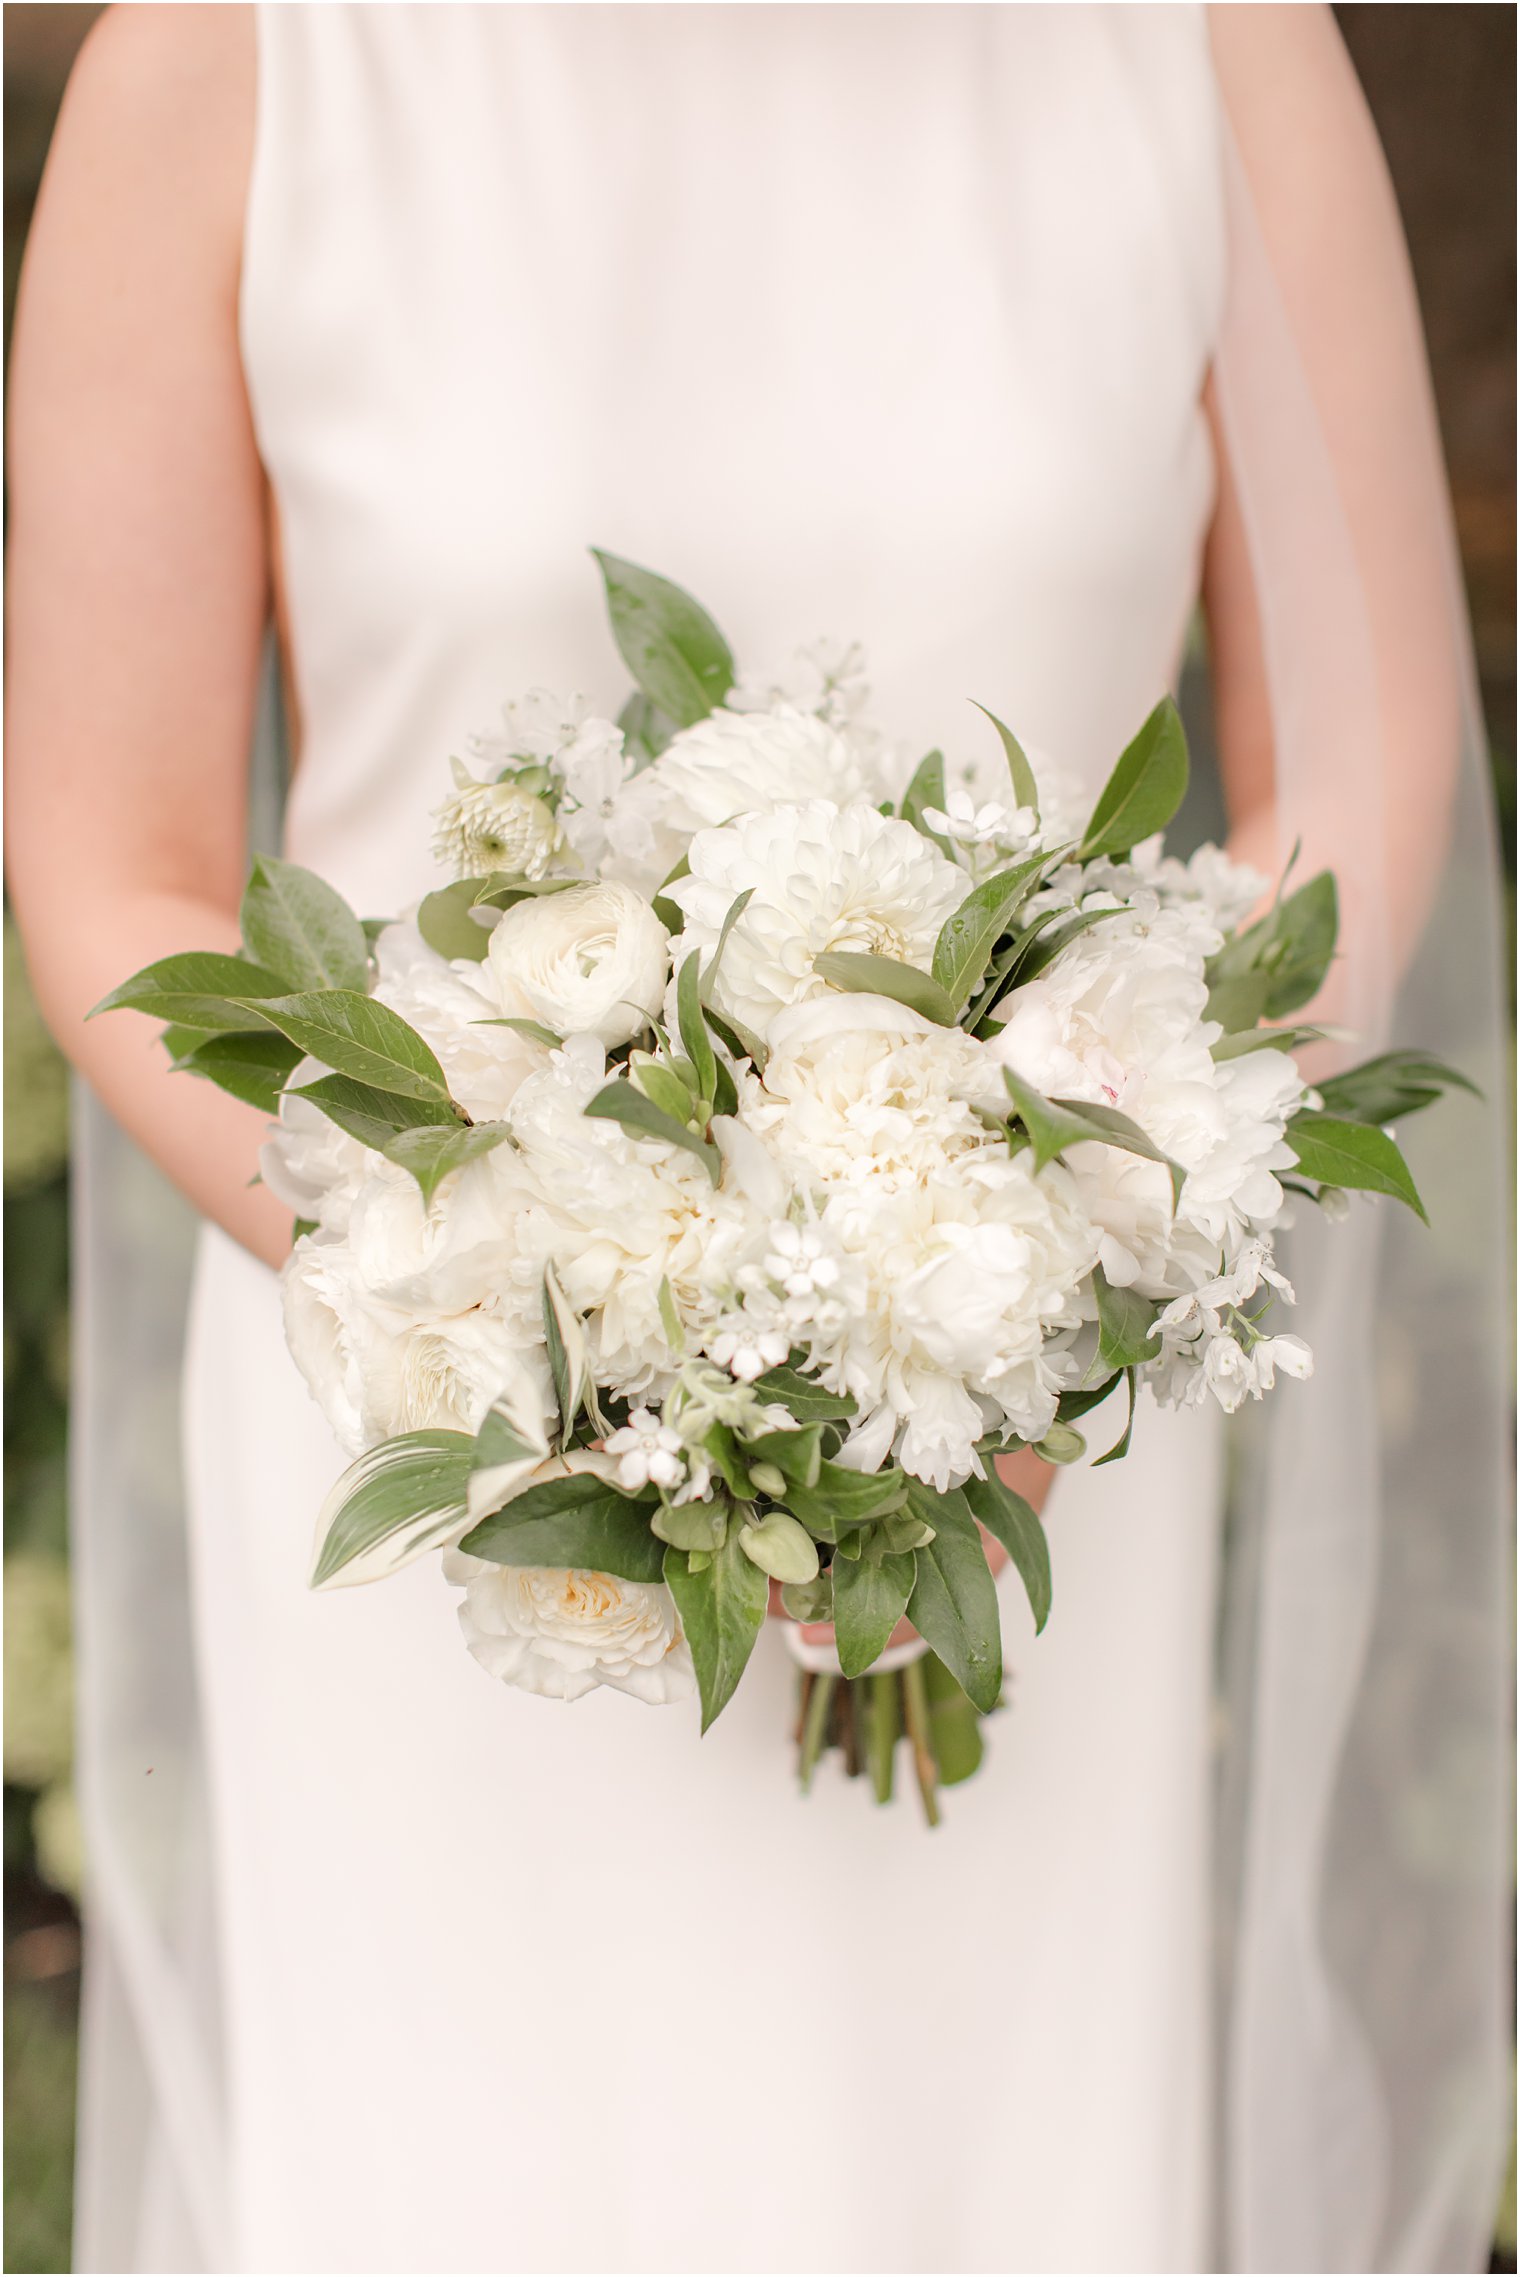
(1364, 1640)
(1366, 1661)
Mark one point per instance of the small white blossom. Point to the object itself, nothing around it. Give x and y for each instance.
(747, 1349)
(1010, 829)
(649, 1453)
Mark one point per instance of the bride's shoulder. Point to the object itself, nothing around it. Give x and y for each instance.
(160, 106)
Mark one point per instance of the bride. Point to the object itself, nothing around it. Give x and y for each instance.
(997, 338)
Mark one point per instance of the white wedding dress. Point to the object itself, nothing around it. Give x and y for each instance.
(890, 323)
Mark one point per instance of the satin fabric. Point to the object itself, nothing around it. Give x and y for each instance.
(877, 322)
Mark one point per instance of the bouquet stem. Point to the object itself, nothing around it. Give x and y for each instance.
(866, 1716)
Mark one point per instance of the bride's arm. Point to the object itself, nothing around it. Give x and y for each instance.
(1341, 302)
(138, 572)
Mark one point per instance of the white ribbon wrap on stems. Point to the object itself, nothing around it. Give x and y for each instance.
(822, 1659)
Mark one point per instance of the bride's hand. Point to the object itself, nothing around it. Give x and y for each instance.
(1023, 1471)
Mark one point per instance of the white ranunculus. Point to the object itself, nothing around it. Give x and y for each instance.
(821, 877)
(730, 763)
(591, 961)
(564, 1632)
(454, 1006)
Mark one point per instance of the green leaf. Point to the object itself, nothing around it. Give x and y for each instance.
(1263, 1039)
(1055, 1124)
(619, 1102)
(870, 1598)
(357, 1037)
(1145, 789)
(578, 1521)
(954, 1602)
(1279, 962)
(1352, 1154)
(565, 1341)
(252, 1067)
(646, 730)
(842, 1499)
(798, 1455)
(1125, 1321)
(199, 989)
(1394, 1084)
(887, 976)
(694, 1035)
(722, 1608)
(399, 1499)
(810, 1402)
(373, 1116)
(671, 645)
(1026, 791)
(955, 1728)
(732, 915)
(1305, 929)
(662, 1084)
(1120, 1448)
(431, 1150)
(1011, 1520)
(968, 938)
(532, 1028)
(927, 789)
(1074, 1404)
(296, 925)
(445, 923)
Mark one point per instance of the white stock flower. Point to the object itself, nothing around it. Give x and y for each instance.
(564, 1632)
(729, 764)
(822, 877)
(648, 1452)
(589, 961)
(828, 679)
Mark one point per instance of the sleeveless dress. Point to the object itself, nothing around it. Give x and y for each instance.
(889, 323)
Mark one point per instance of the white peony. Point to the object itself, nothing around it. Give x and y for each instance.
(591, 961)
(442, 1256)
(308, 1163)
(618, 1216)
(822, 877)
(454, 1006)
(861, 1090)
(564, 1632)
(730, 763)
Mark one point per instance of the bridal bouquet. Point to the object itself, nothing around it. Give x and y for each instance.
(702, 1187)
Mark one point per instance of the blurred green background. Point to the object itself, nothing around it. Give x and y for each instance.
(1441, 82)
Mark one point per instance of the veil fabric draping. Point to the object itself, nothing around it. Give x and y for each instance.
(1364, 1676)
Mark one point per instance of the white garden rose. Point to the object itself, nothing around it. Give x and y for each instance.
(730, 763)
(591, 961)
(563, 1632)
(443, 1256)
(821, 877)
(376, 1368)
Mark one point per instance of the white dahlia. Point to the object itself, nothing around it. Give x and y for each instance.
(821, 877)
